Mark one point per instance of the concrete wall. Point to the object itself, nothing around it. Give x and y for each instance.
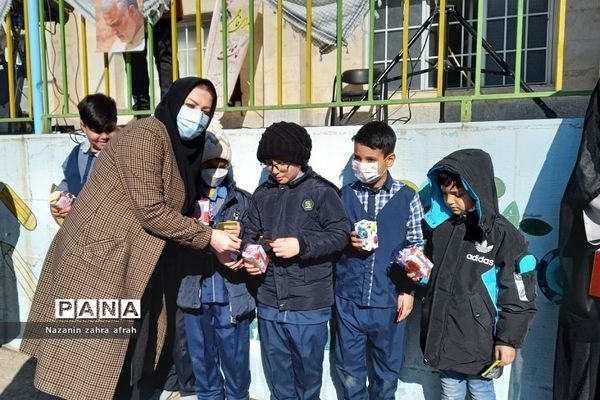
(532, 159)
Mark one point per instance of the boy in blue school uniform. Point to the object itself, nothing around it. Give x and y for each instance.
(372, 295)
(98, 114)
(217, 305)
(299, 218)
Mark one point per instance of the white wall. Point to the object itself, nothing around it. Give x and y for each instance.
(533, 158)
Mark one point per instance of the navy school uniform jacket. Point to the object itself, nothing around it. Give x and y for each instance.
(77, 167)
(237, 283)
(373, 279)
(482, 288)
(308, 208)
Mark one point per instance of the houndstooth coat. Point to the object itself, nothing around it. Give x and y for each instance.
(107, 248)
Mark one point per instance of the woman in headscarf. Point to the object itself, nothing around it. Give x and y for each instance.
(118, 242)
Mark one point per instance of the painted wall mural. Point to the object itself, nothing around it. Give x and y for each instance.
(532, 161)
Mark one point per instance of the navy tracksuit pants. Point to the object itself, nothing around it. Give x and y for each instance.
(216, 344)
(368, 338)
(292, 358)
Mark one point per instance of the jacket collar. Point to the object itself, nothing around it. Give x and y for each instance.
(308, 173)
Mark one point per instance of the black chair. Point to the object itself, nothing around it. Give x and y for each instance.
(356, 87)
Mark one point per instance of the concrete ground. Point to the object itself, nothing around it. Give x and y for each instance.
(16, 375)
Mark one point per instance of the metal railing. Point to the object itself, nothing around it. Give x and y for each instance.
(38, 88)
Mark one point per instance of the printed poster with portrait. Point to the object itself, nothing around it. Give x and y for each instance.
(119, 26)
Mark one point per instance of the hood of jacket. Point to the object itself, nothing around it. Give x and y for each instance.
(477, 173)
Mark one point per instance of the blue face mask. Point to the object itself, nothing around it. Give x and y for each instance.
(191, 122)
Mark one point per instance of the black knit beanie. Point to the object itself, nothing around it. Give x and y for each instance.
(285, 141)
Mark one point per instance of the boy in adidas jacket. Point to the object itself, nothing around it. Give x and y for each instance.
(480, 299)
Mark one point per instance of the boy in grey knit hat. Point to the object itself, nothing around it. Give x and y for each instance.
(298, 217)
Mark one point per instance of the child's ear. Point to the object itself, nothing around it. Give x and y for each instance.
(389, 160)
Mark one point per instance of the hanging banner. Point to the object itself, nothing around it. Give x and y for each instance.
(238, 37)
(324, 19)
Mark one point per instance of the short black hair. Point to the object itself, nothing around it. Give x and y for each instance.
(447, 178)
(98, 112)
(376, 135)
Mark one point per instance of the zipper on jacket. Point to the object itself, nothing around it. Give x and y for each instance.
(212, 279)
(431, 307)
(232, 318)
(371, 280)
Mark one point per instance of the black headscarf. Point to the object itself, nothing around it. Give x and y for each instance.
(187, 153)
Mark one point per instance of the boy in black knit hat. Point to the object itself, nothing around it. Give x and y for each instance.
(298, 217)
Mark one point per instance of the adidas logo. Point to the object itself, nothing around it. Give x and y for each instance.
(480, 259)
(483, 247)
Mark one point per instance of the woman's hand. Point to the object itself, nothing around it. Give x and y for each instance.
(224, 242)
(59, 212)
(230, 262)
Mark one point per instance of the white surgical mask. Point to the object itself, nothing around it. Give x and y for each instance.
(365, 172)
(213, 176)
(191, 122)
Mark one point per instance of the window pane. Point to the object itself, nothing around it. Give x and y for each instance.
(536, 31)
(453, 79)
(512, 7)
(511, 33)
(377, 65)
(414, 82)
(394, 73)
(473, 38)
(466, 77)
(496, 9)
(394, 14)
(510, 60)
(536, 66)
(380, 17)
(415, 18)
(181, 35)
(455, 38)
(395, 17)
(432, 79)
(415, 49)
(433, 42)
(394, 44)
(492, 79)
(379, 50)
(495, 33)
(538, 6)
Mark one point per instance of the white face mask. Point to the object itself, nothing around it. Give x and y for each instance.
(191, 122)
(365, 172)
(213, 176)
